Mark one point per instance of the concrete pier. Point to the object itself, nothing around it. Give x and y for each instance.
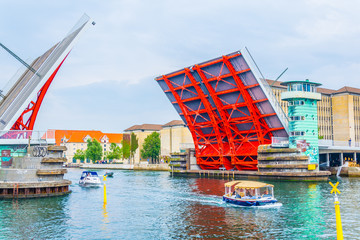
(38, 174)
(253, 175)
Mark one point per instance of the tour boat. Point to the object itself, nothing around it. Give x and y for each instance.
(89, 179)
(249, 193)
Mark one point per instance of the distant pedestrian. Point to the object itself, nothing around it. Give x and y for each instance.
(349, 142)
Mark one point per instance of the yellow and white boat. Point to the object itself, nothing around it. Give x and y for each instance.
(249, 193)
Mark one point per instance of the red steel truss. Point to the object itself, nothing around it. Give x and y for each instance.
(27, 119)
(225, 109)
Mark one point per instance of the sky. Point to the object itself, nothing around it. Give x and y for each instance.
(107, 82)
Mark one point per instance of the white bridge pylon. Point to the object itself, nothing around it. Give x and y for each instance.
(26, 88)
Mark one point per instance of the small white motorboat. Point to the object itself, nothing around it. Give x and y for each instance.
(89, 179)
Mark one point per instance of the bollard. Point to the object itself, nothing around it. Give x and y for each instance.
(105, 197)
(339, 231)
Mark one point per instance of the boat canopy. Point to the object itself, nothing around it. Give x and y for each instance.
(247, 184)
(232, 183)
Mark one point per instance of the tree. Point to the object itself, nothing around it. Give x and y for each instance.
(115, 152)
(79, 154)
(125, 148)
(151, 147)
(94, 150)
(134, 144)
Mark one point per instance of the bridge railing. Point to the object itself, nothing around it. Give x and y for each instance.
(266, 88)
(282, 142)
(338, 143)
(23, 137)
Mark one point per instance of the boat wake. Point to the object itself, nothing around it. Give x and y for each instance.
(217, 201)
(273, 205)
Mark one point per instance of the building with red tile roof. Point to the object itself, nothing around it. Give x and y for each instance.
(77, 139)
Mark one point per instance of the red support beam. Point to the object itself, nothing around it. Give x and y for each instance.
(34, 107)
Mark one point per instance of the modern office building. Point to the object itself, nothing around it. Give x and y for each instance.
(338, 113)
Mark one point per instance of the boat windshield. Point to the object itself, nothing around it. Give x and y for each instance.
(253, 192)
(92, 174)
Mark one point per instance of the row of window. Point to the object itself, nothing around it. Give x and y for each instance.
(300, 133)
(296, 103)
(82, 144)
(297, 118)
(306, 87)
(297, 133)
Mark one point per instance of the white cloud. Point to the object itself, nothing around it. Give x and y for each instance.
(135, 41)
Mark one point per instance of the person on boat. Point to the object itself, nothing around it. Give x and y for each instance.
(265, 192)
(248, 193)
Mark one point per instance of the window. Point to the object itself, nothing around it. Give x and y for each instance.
(297, 133)
(313, 88)
(297, 118)
(296, 103)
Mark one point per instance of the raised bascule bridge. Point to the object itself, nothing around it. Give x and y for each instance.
(229, 109)
(20, 103)
(31, 166)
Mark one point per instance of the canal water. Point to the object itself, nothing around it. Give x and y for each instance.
(154, 205)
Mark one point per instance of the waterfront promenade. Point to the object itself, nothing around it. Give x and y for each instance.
(149, 167)
(154, 205)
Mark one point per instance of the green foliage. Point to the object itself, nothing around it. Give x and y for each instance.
(115, 152)
(79, 154)
(125, 149)
(151, 147)
(94, 150)
(321, 137)
(134, 144)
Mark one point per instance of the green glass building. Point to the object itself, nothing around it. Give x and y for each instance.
(302, 113)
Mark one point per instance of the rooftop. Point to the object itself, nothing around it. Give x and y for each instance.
(174, 123)
(150, 127)
(77, 136)
(326, 91)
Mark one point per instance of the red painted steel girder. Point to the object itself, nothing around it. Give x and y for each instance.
(27, 118)
(226, 110)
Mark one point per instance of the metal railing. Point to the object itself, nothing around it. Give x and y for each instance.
(338, 143)
(27, 136)
(266, 88)
(284, 142)
(279, 142)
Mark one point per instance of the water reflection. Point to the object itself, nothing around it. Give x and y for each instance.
(105, 214)
(31, 218)
(153, 205)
